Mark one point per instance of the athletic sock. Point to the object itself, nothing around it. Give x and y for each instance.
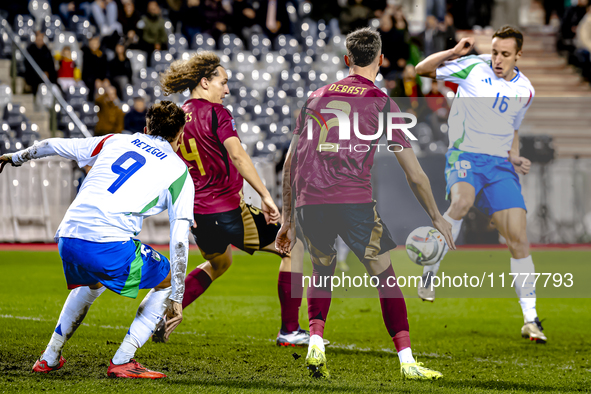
(195, 284)
(456, 226)
(290, 298)
(405, 356)
(148, 315)
(319, 297)
(393, 309)
(525, 291)
(316, 340)
(73, 312)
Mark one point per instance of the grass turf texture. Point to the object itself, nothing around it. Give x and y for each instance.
(226, 341)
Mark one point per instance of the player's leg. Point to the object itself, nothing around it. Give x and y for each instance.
(200, 278)
(370, 240)
(464, 182)
(504, 202)
(73, 312)
(213, 235)
(155, 274)
(342, 253)
(79, 261)
(511, 224)
(319, 229)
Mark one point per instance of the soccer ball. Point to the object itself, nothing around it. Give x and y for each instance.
(425, 246)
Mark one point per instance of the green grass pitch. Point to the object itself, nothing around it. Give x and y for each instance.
(226, 342)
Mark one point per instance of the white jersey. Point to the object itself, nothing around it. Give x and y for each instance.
(132, 177)
(487, 109)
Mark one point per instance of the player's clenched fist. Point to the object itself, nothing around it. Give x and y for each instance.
(6, 159)
(521, 164)
(463, 47)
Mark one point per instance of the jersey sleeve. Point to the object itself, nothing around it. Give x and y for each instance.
(226, 124)
(460, 70)
(83, 150)
(398, 136)
(181, 198)
(521, 113)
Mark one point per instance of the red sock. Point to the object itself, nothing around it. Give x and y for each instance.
(393, 309)
(195, 284)
(319, 297)
(290, 290)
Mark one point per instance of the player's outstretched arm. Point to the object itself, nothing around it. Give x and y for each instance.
(428, 67)
(179, 257)
(244, 165)
(78, 149)
(421, 187)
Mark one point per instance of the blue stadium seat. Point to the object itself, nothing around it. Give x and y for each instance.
(14, 115)
(53, 25)
(286, 45)
(161, 60)
(81, 27)
(204, 42)
(259, 45)
(24, 25)
(177, 44)
(76, 96)
(89, 114)
(230, 45)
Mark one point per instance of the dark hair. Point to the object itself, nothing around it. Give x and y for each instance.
(187, 74)
(165, 120)
(510, 32)
(363, 46)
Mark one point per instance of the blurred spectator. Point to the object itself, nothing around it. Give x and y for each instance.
(553, 5)
(243, 17)
(119, 69)
(355, 16)
(110, 116)
(432, 39)
(583, 43)
(436, 100)
(448, 31)
(129, 19)
(104, 13)
(327, 10)
(68, 73)
(215, 17)
(192, 18)
(94, 66)
(395, 40)
(135, 119)
(571, 19)
(437, 8)
(66, 9)
(42, 56)
(154, 32)
(174, 11)
(276, 18)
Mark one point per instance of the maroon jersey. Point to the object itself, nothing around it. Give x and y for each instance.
(327, 169)
(217, 181)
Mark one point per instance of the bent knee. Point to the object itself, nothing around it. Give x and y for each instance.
(461, 205)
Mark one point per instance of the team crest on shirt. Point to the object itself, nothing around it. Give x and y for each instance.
(233, 125)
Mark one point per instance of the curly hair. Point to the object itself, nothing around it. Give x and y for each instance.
(510, 32)
(187, 74)
(165, 120)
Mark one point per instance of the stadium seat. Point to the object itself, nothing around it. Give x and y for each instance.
(29, 135)
(148, 74)
(203, 42)
(14, 115)
(66, 38)
(5, 95)
(76, 96)
(177, 44)
(230, 45)
(24, 25)
(39, 9)
(138, 60)
(286, 45)
(53, 25)
(81, 27)
(89, 114)
(259, 45)
(161, 60)
(72, 131)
